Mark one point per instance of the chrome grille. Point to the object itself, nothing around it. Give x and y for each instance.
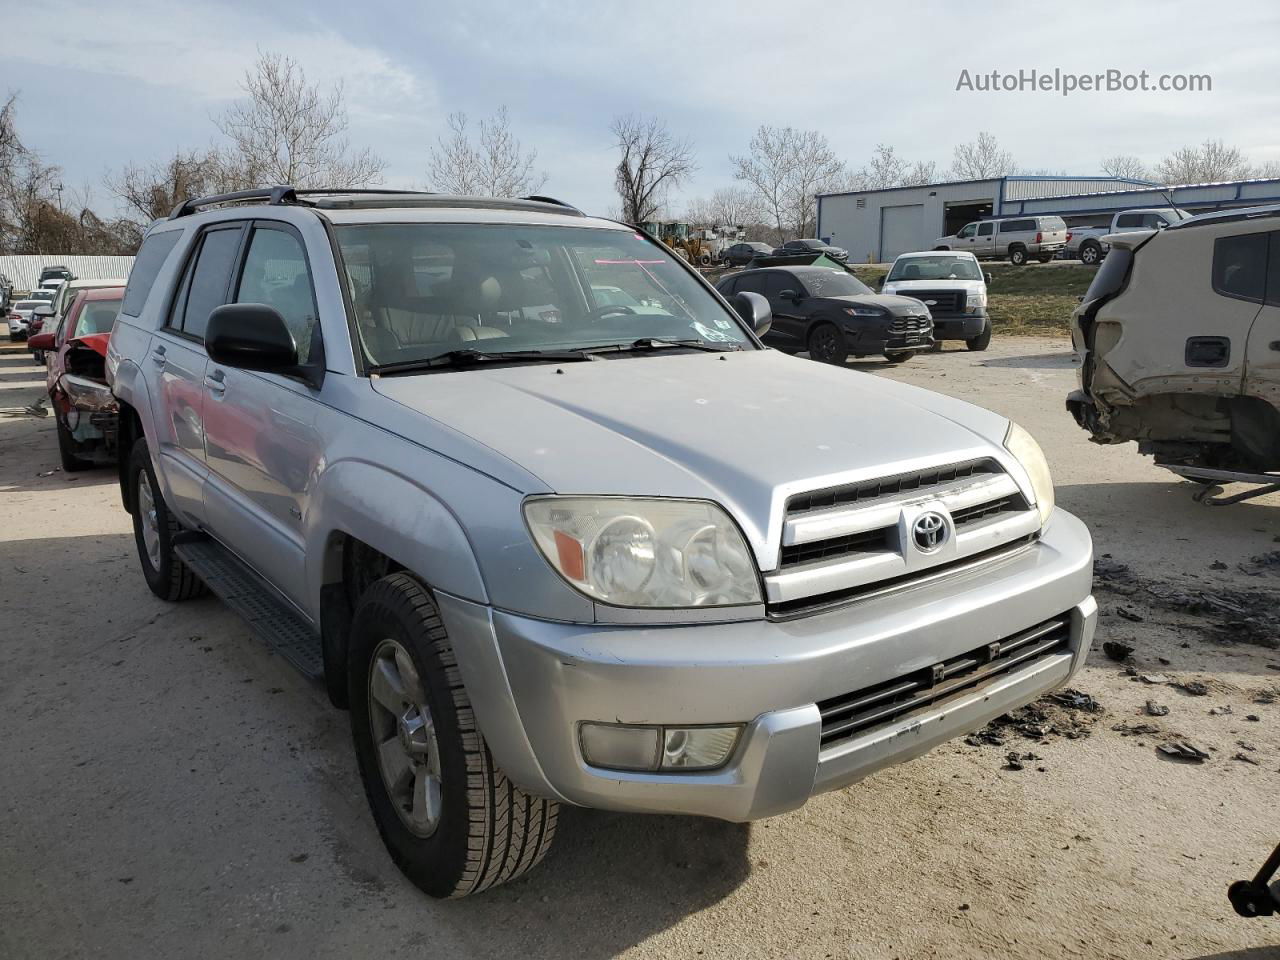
(851, 714)
(842, 542)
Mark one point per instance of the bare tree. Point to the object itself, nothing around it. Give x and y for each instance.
(495, 166)
(886, 169)
(1126, 167)
(981, 159)
(289, 131)
(151, 192)
(27, 187)
(787, 168)
(921, 172)
(1211, 161)
(651, 162)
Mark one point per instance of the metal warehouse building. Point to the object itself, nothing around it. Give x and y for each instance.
(877, 225)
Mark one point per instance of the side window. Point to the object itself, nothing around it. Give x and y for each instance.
(750, 283)
(1273, 272)
(968, 231)
(729, 288)
(1129, 220)
(778, 282)
(207, 281)
(986, 229)
(1153, 221)
(275, 273)
(146, 265)
(1240, 266)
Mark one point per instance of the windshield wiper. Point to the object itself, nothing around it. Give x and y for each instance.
(468, 357)
(653, 343)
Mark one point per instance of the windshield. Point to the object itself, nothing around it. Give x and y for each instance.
(935, 268)
(96, 316)
(834, 283)
(424, 289)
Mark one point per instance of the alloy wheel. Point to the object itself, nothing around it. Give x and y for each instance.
(150, 520)
(404, 736)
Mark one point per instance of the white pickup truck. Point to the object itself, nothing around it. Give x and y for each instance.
(1088, 244)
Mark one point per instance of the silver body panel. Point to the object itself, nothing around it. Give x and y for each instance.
(432, 470)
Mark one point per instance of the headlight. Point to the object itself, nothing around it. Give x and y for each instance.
(645, 553)
(864, 312)
(975, 299)
(1028, 453)
(87, 394)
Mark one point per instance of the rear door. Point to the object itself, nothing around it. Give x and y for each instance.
(176, 367)
(263, 446)
(1262, 358)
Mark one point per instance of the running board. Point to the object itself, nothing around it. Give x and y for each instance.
(269, 617)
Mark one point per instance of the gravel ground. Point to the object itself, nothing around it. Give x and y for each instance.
(170, 787)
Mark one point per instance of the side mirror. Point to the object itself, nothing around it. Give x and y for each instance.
(987, 277)
(43, 310)
(754, 309)
(41, 341)
(251, 336)
(788, 295)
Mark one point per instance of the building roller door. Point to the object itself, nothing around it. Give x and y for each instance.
(901, 230)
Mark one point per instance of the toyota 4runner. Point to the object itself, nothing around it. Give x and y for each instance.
(549, 544)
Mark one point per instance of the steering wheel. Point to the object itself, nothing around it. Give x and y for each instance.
(607, 309)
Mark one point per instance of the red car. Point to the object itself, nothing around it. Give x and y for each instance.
(83, 407)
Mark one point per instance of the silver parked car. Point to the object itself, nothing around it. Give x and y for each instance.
(1016, 239)
(550, 546)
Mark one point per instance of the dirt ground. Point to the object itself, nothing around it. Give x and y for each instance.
(168, 787)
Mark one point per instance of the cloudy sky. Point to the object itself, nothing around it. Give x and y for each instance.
(103, 83)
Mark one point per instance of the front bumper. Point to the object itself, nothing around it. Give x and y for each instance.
(532, 682)
(964, 327)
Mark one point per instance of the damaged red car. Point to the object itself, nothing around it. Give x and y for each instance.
(83, 407)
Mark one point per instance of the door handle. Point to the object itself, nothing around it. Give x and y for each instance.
(214, 382)
(157, 356)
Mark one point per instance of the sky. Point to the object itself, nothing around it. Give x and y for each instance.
(105, 83)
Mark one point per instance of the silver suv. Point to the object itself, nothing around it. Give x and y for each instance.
(1017, 239)
(539, 508)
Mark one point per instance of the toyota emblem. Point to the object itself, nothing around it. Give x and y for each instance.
(929, 531)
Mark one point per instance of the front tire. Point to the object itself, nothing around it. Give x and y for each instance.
(827, 345)
(450, 818)
(981, 341)
(70, 462)
(154, 528)
(1018, 257)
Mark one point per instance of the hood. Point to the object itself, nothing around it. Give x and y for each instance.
(97, 342)
(746, 430)
(896, 305)
(926, 285)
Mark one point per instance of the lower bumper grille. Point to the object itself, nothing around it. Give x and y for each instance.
(851, 714)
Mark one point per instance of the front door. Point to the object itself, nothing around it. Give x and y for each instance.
(263, 446)
(790, 316)
(175, 369)
(984, 244)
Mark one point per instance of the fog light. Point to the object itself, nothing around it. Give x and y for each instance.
(620, 746)
(697, 748)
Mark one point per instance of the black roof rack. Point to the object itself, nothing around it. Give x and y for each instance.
(354, 198)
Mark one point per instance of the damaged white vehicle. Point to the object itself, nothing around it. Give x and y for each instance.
(1179, 343)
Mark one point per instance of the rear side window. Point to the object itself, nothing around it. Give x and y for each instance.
(750, 283)
(207, 281)
(1240, 266)
(1129, 220)
(146, 266)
